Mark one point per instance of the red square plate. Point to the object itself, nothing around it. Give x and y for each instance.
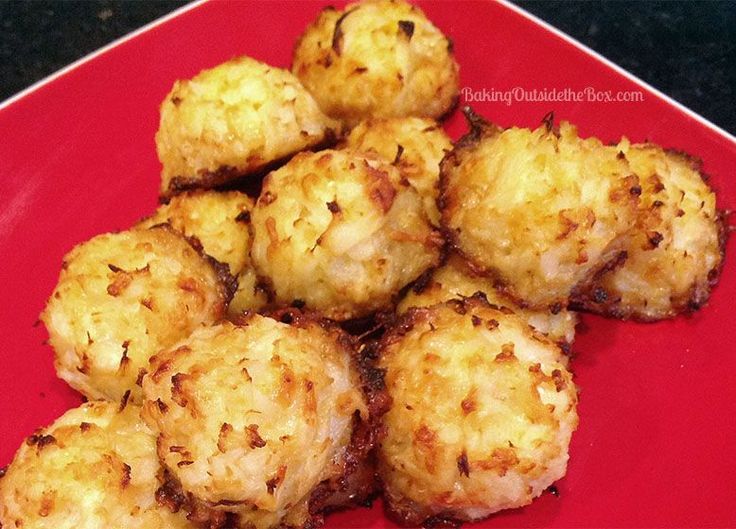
(657, 439)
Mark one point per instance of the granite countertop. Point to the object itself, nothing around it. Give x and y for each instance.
(685, 49)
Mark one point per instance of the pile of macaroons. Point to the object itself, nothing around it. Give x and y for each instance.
(385, 313)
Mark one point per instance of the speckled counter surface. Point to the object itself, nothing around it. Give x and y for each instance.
(686, 49)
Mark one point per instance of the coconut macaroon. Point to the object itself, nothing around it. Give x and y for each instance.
(539, 211)
(233, 120)
(253, 417)
(121, 297)
(482, 415)
(96, 466)
(675, 254)
(456, 280)
(378, 58)
(219, 221)
(415, 146)
(340, 232)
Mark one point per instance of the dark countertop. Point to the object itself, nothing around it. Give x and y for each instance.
(685, 49)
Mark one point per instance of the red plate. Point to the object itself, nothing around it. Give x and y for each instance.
(657, 433)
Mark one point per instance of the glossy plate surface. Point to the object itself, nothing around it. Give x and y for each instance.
(656, 440)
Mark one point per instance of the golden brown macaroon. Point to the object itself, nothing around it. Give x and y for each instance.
(675, 254)
(252, 417)
(380, 58)
(456, 280)
(415, 146)
(233, 120)
(219, 221)
(121, 297)
(340, 232)
(482, 415)
(539, 211)
(95, 467)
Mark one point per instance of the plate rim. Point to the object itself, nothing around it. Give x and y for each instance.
(618, 69)
(98, 52)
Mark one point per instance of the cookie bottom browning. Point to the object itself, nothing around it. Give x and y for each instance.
(482, 415)
(538, 211)
(675, 254)
(234, 120)
(260, 421)
(341, 233)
